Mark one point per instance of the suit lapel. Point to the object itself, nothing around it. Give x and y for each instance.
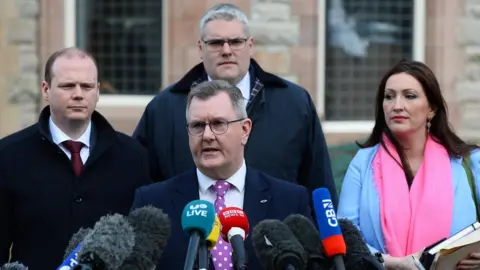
(187, 191)
(257, 197)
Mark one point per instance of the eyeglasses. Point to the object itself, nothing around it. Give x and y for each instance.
(218, 127)
(235, 44)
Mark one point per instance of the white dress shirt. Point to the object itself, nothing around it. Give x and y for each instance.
(243, 85)
(233, 197)
(58, 137)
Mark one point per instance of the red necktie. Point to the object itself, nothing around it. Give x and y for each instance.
(74, 148)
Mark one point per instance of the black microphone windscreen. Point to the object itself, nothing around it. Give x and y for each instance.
(76, 239)
(13, 266)
(358, 255)
(308, 236)
(276, 246)
(111, 240)
(152, 229)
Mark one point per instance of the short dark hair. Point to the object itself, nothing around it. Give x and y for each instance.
(208, 89)
(67, 52)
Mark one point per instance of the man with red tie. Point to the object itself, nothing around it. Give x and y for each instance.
(218, 130)
(67, 170)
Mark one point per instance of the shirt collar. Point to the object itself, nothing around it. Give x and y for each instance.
(58, 136)
(243, 85)
(237, 180)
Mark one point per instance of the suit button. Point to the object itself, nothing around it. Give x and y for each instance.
(78, 198)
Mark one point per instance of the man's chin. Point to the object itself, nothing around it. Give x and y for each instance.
(78, 117)
(212, 164)
(228, 75)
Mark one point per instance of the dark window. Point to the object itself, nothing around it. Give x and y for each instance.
(365, 38)
(125, 37)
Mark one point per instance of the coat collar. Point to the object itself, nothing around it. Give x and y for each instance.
(255, 203)
(198, 72)
(103, 135)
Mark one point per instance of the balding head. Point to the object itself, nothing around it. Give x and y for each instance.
(67, 53)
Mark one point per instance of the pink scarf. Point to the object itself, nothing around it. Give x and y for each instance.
(414, 219)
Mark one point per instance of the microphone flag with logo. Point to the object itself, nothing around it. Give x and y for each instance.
(330, 232)
(198, 218)
(235, 229)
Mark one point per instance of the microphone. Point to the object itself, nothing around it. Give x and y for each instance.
(214, 234)
(152, 229)
(276, 246)
(75, 241)
(13, 266)
(70, 258)
(330, 232)
(358, 255)
(198, 218)
(235, 229)
(307, 235)
(208, 244)
(108, 244)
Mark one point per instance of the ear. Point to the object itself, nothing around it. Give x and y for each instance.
(200, 48)
(246, 128)
(45, 90)
(98, 92)
(250, 46)
(431, 114)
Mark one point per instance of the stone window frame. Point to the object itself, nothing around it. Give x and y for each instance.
(111, 100)
(360, 127)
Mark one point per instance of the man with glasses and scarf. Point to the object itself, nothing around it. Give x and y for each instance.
(286, 141)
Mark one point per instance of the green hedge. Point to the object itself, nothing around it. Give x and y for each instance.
(340, 157)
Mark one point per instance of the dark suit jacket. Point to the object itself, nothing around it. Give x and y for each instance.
(282, 199)
(43, 203)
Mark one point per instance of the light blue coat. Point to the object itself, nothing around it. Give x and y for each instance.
(359, 200)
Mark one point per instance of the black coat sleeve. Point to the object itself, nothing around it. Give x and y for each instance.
(6, 223)
(145, 134)
(316, 168)
(144, 177)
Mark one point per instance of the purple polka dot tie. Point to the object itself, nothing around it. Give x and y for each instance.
(222, 252)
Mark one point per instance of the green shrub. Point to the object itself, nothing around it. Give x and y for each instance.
(340, 157)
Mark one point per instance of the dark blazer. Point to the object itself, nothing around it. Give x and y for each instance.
(42, 202)
(286, 141)
(282, 199)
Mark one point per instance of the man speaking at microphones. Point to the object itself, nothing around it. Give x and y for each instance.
(218, 129)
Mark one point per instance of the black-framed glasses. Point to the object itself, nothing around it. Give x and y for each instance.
(218, 127)
(235, 44)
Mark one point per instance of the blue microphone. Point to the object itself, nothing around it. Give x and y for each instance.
(71, 252)
(71, 260)
(330, 232)
(198, 218)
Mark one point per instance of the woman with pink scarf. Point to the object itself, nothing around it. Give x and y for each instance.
(406, 187)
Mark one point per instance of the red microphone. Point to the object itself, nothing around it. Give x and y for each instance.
(235, 229)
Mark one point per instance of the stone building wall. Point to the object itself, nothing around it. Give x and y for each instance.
(19, 80)
(467, 86)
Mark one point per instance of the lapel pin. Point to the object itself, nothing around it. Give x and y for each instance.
(263, 201)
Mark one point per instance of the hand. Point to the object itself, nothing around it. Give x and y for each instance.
(472, 261)
(401, 263)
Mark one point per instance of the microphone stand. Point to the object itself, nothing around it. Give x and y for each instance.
(240, 262)
(203, 256)
(338, 262)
